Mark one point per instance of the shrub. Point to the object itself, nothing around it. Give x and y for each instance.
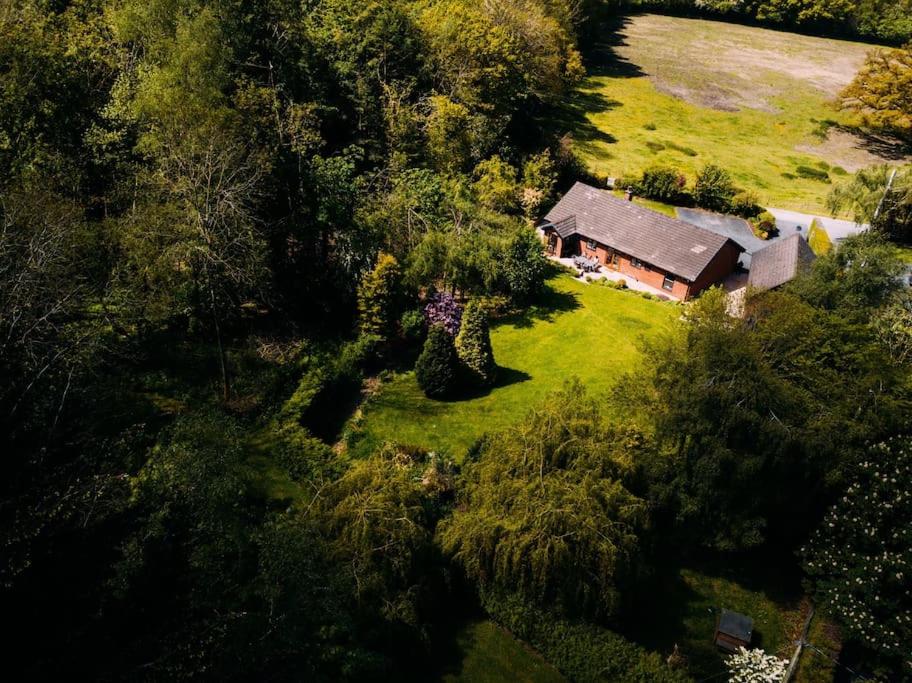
(411, 324)
(714, 189)
(581, 651)
(442, 309)
(436, 367)
(497, 186)
(812, 173)
(765, 223)
(662, 183)
(819, 239)
(615, 284)
(746, 205)
(473, 346)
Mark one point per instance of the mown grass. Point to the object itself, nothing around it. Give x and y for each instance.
(489, 654)
(666, 95)
(577, 330)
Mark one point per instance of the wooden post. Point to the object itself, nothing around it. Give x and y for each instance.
(799, 646)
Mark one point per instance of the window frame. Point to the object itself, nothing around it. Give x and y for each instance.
(668, 282)
(637, 263)
(591, 244)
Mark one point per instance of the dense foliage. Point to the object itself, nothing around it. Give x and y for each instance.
(881, 91)
(880, 196)
(473, 346)
(546, 511)
(860, 557)
(437, 368)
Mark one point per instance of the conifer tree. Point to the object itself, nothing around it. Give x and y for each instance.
(437, 364)
(380, 298)
(473, 345)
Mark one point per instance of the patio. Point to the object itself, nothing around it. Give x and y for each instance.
(607, 274)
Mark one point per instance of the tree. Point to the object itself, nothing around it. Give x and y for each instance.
(859, 558)
(496, 185)
(473, 345)
(714, 189)
(539, 176)
(380, 299)
(881, 196)
(546, 512)
(882, 91)
(856, 278)
(436, 368)
(525, 265)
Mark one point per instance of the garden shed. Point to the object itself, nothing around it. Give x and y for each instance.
(733, 631)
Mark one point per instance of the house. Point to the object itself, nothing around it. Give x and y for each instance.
(733, 631)
(780, 262)
(643, 244)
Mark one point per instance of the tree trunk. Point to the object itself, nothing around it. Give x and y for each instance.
(223, 358)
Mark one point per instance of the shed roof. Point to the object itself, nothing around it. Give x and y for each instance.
(667, 243)
(736, 625)
(781, 261)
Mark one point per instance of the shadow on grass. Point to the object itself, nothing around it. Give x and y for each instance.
(679, 605)
(602, 59)
(504, 378)
(550, 304)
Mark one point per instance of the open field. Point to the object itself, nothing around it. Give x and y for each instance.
(687, 92)
(588, 331)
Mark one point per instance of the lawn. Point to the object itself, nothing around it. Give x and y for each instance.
(486, 653)
(687, 92)
(680, 607)
(584, 330)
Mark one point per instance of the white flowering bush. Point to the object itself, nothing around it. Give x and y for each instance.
(860, 558)
(755, 666)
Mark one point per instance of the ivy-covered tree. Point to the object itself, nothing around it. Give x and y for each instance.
(473, 345)
(437, 367)
(860, 558)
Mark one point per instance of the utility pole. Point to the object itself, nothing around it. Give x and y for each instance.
(884, 196)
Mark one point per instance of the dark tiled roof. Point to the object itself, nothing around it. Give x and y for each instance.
(779, 262)
(652, 237)
(736, 625)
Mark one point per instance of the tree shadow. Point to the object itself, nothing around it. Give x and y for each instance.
(603, 59)
(550, 304)
(504, 378)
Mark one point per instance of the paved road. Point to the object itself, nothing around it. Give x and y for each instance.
(787, 221)
(836, 229)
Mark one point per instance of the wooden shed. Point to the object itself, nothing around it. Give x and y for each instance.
(733, 631)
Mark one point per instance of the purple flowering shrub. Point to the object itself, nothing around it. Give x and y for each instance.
(442, 309)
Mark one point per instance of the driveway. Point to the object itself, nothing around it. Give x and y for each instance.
(733, 227)
(837, 229)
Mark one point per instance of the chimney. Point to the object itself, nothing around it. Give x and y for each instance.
(629, 194)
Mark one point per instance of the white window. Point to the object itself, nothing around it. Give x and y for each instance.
(668, 283)
(636, 263)
(590, 244)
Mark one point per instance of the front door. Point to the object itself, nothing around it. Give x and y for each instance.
(611, 259)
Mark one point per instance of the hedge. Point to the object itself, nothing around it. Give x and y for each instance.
(581, 651)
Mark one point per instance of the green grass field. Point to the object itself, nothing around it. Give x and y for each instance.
(686, 92)
(489, 654)
(578, 329)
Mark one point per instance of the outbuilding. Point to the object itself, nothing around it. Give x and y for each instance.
(733, 631)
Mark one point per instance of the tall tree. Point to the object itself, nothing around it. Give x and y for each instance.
(882, 91)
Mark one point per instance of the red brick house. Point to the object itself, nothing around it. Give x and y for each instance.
(637, 242)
